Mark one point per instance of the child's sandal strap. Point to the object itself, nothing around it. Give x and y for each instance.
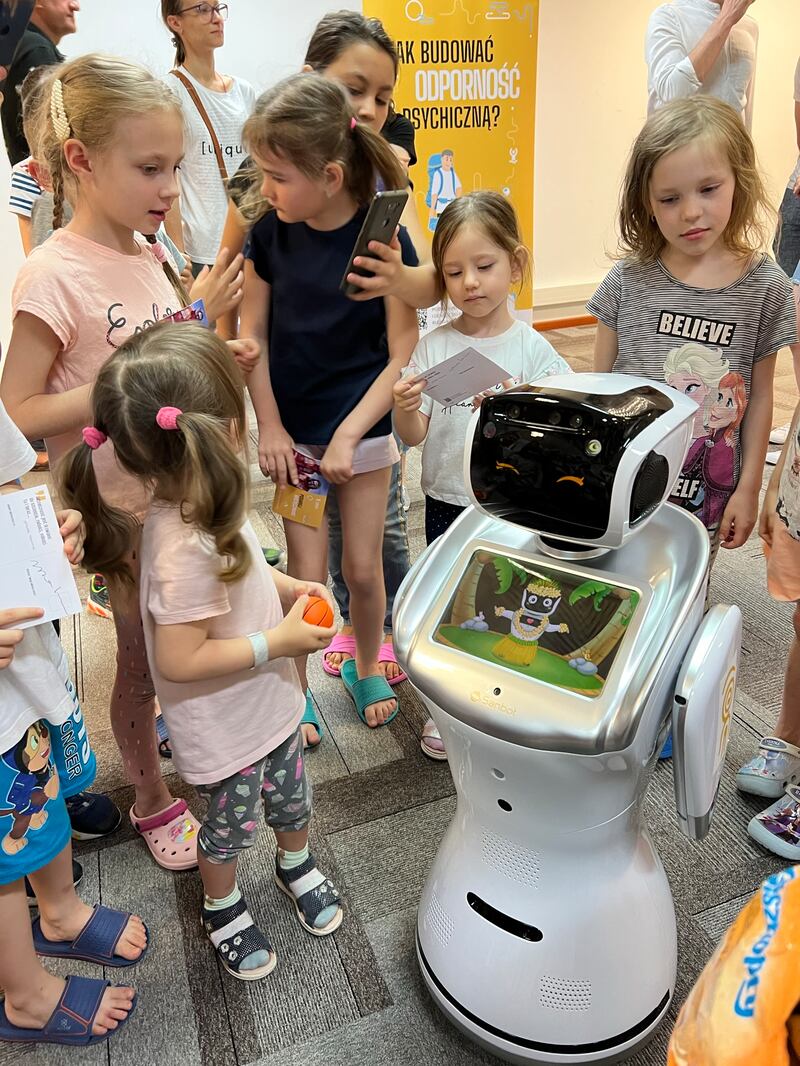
(313, 892)
(235, 936)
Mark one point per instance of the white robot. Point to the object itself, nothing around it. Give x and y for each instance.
(555, 632)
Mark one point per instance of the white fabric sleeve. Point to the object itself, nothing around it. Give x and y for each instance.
(670, 73)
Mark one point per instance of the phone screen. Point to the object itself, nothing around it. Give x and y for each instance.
(14, 18)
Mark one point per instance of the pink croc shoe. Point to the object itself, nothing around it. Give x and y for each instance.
(171, 835)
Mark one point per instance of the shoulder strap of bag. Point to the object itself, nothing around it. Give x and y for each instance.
(198, 103)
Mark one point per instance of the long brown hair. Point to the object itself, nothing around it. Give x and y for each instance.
(307, 119)
(198, 465)
(674, 126)
(88, 98)
(338, 30)
(174, 7)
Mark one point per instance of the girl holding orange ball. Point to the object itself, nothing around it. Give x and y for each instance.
(221, 628)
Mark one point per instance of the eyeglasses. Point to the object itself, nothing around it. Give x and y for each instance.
(207, 11)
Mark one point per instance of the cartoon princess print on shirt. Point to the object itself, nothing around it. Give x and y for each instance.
(712, 459)
(696, 371)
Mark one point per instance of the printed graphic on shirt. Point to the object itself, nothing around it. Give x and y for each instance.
(708, 477)
(118, 322)
(788, 505)
(696, 328)
(34, 782)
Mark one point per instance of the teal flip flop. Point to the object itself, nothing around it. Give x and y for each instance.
(310, 718)
(366, 690)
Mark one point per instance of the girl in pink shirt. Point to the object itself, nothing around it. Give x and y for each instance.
(171, 402)
(111, 138)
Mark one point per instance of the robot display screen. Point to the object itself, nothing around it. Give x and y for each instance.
(558, 628)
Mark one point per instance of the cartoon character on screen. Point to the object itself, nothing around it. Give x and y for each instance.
(35, 783)
(540, 600)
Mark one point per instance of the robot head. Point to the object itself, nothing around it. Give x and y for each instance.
(541, 598)
(581, 458)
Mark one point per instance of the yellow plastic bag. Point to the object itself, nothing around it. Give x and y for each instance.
(740, 1011)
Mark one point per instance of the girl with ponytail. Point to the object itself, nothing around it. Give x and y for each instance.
(111, 138)
(323, 387)
(171, 403)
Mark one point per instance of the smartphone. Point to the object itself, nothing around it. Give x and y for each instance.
(14, 18)
(379, 225)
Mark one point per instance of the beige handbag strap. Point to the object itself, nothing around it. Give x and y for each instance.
(198, 103)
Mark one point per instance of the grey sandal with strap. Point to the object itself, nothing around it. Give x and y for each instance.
(236, 937)
(311, 892)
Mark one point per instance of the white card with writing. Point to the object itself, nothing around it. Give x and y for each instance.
(34, 571)
(462, 376)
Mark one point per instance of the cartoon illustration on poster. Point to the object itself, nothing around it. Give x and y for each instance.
(542, 623)
(468, 85)
(708, 475)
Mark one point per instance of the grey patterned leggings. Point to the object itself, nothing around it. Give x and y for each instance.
(231, 822)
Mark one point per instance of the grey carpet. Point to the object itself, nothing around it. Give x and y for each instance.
(380, 811)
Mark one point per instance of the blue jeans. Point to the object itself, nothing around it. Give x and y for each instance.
(396, 562)
(787, 239)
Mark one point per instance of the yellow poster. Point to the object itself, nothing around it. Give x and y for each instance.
(468, 84)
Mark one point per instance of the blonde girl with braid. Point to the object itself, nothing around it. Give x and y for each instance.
(112, 141)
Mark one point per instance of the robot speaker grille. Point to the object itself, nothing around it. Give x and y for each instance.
(514, 862)
(559, 994)
(649, 487)
(439, 920)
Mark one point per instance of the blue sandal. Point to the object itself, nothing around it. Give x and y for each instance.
(72, 1020)
(367, 690)
(310, 718)
(96, 942)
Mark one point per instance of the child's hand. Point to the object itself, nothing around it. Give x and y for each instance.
(311, 588)
(407, 393)
(387, 265)
(767, 524)
(10, 638)
(295, 637)
(276, 456)
(220, 287)
(336, 464)
(738, 519)
(73, 533)
(509, 383)
(247, 352)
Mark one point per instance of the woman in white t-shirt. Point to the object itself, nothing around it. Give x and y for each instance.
(702, 46)
(213, 129)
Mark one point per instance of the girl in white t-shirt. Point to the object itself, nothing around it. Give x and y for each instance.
(221, 651)
(478, 256)
(110, 136)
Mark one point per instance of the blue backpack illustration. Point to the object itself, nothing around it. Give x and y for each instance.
(434, 168)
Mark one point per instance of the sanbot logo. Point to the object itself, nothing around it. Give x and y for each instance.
(495, 705)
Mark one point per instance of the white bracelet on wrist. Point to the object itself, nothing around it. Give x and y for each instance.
(258, 642)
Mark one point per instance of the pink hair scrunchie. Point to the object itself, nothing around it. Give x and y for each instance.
(93, 436)
(353, 123)
(159, 251)
(167, 417)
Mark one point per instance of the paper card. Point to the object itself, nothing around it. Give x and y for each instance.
(462, 376)
(305, 502)
(34, 571)
(195, 312)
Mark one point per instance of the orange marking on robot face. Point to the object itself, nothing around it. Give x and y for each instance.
(506, 466)
(577, 480)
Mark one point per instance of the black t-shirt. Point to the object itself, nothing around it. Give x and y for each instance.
(33, 50)
(399, 130)
(325, 350)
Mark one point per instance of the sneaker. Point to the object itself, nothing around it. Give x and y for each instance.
(779, 435)
(778, 827)
(77, 877)
(92, 815)
(431, 742)
(772, 458)
(666, 751)
(776, 766)
(405, 499)
(98, 601)
(275, 557)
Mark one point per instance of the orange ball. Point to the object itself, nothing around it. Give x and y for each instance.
(318, 612)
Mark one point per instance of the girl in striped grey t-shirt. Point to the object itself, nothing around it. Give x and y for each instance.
(694, 303)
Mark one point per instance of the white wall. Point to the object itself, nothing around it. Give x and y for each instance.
(591, 102)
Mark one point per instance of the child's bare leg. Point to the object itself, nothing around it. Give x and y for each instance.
(362, 503)
(31, 992)
(307, 560)
(788, 727)
(63, 913)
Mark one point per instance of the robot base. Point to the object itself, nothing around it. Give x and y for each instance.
(546, 929)
(529, 1052)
